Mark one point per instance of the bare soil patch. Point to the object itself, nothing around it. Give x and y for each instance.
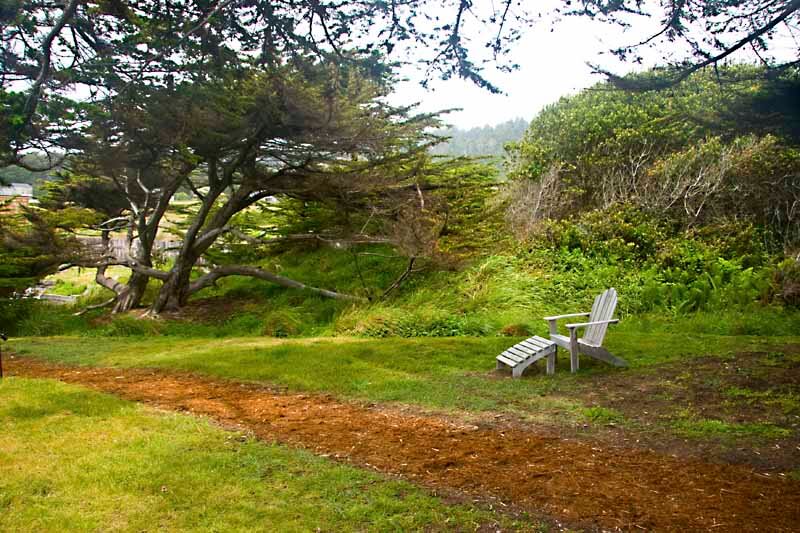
(743, 389)
(584, 484)
(210, 310)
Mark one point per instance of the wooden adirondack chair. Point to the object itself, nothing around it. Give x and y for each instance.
(591, 342)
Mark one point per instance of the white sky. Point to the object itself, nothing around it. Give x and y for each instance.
(552, 64)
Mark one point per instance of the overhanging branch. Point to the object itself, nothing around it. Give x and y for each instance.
(210, 278)
(107, 262)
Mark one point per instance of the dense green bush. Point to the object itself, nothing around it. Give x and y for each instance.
(657, 265)
(12, 313)
(700, 153)
(127, 326)
(786, 282)
(717, 279)
(622, 233)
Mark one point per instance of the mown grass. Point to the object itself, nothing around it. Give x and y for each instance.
(75, 460)
(439, 373)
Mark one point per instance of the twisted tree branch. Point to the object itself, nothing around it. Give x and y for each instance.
(210, 279)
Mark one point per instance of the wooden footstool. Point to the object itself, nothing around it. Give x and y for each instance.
(524, 354)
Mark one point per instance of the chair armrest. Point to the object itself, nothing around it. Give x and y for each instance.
(596, 322)
(565, 316)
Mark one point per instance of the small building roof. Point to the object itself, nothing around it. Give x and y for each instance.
(16, 189)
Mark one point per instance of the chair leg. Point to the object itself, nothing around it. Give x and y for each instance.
(573, 351)
(551, 362)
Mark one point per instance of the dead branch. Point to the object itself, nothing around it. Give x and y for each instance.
(95, 306)
(409, 269)
(210, 279)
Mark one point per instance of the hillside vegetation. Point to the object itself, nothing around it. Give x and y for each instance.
(481, 140)
(706, 152)
(682, 200)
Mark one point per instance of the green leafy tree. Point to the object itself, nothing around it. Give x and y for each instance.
(35, 242)
(108, 47)
(699, 151)
(481, 141)
(320, 133)
(111, 47)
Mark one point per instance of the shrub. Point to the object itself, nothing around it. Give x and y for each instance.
(12, 313)
(621, 232)
(786, 282)
(516, 330)
(36, 318)
(128, 326)
(282, 323)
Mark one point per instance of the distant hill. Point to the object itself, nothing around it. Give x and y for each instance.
(481, 141)
(15, 174)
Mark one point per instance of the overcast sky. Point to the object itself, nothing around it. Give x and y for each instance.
(552, 64)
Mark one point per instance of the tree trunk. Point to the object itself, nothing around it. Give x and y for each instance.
(131, 297)
(128, 295)
(175, 291)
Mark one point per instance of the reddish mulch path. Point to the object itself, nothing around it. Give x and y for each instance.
(577, 482)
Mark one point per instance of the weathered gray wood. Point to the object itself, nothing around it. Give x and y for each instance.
(553, 321)
(520, 368)
(506, 361)
(535, 345)
(597, 312)
(519, 351)
(598, 352)
(536, 357)
(560, 340)
(525, 349)
(523, 354)
(571, 315)
(512, 356)
(590, 324)
(573, 350)
(594, 323)
(594, 331)
(551, 362)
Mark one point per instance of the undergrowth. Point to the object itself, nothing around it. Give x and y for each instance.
(722, 280)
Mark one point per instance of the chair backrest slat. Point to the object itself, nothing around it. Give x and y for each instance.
(603, 309)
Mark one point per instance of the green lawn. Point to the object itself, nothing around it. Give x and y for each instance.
(75, 460)
(441, 373)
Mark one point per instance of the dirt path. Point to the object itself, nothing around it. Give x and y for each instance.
(583, 485)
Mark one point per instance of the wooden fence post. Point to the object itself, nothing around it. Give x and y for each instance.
(2, 336)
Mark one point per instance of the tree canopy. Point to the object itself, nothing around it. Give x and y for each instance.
(244, 103)
(698, 34)
(481, 140)
(107, 48)
(103, 48)
(34, 243)
(699, 151)
(319, 133)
